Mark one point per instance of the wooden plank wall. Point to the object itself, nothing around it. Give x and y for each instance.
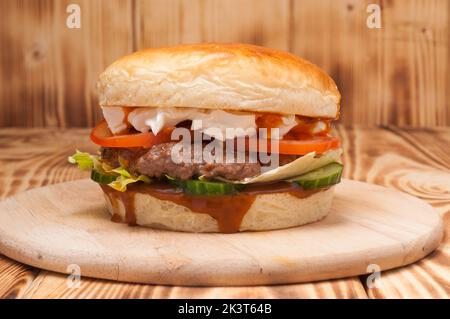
(399, 74)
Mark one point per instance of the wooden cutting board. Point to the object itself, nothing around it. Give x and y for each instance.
(66, 224)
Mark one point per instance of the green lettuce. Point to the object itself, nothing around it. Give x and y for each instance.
(83, 160)
(124, 177)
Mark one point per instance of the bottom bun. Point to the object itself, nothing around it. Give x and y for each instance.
(268, 212)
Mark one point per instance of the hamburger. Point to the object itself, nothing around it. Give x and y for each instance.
(215, 138)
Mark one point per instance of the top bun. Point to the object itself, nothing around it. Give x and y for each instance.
(237, 77)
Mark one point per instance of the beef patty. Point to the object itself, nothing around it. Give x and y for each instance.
(157, 161)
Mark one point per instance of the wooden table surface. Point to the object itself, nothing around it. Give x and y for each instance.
(412, 160)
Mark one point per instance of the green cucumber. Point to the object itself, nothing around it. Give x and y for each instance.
(102, 178)
(203, 187)
(196, 187)
(321, 177)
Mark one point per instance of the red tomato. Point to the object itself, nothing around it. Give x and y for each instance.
(101, 135)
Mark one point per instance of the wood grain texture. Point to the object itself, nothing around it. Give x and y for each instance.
(411, 160)
(66, 224)
(16, 278)
(163, 23)
(51, 285)
(34, 158)
(48, 71)
(396, 75)
(426, 279)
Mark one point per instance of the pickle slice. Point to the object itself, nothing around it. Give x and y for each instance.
(196, 187)
(102, 178)
(321, 177)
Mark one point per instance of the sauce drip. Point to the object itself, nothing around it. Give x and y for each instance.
(228, 210)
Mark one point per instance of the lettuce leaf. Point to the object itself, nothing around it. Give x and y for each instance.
(87, 161)
(83, 160)
(298, 167)
(120, 184)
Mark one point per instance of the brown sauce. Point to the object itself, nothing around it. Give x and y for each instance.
(228, 210)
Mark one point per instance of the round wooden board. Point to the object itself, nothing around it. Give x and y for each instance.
(62, 225)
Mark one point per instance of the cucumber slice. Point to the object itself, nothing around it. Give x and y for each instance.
(321, 177)
(196, 187)
(102, 178)
(202, 187)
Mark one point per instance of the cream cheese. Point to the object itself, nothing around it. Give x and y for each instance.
(115, 117)
(210, 122)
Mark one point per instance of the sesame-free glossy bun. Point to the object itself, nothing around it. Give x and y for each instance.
(236, 77)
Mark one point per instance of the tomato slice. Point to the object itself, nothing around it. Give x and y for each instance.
(101, 135)
(318, 144)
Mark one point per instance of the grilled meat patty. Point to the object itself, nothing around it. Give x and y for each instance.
(157, 161)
